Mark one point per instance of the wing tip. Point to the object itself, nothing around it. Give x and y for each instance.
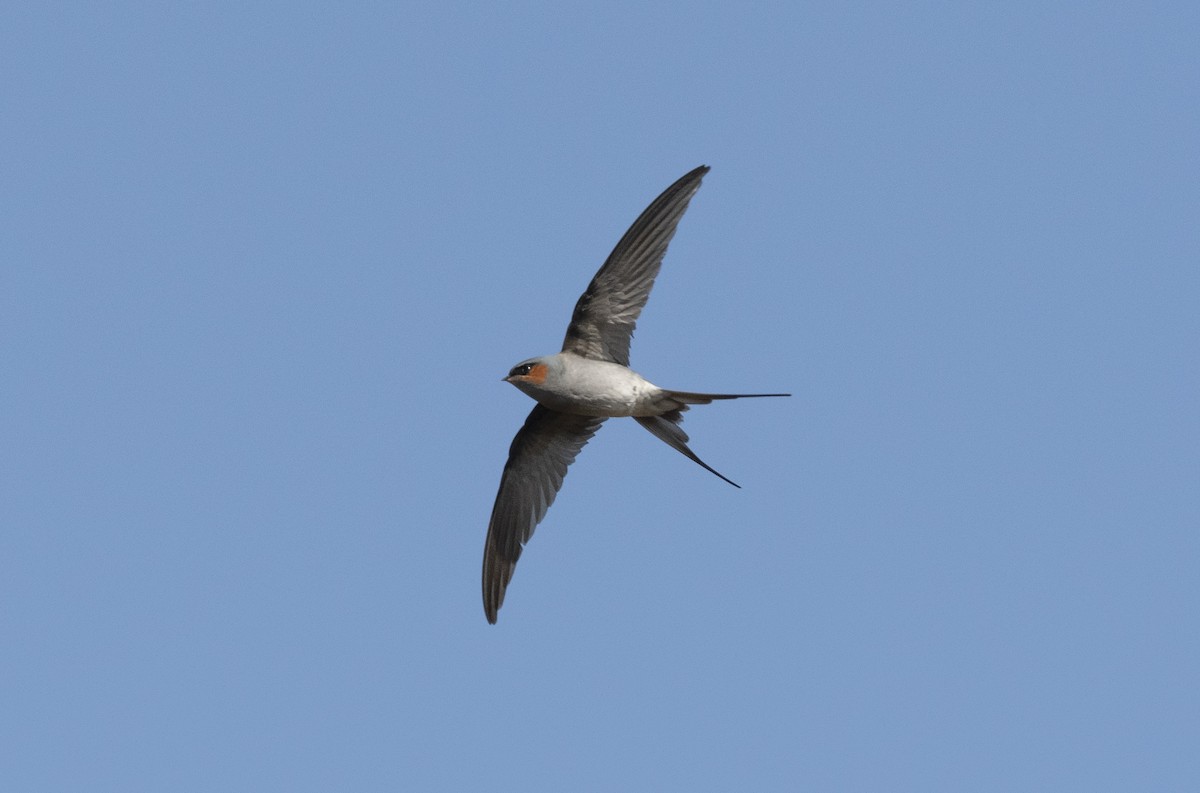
(493, 599)
(496, 575)
(696, 174)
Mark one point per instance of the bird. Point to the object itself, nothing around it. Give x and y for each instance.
(586, 383)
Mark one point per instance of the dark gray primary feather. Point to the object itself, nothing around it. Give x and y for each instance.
(537, 462)
(602, 326)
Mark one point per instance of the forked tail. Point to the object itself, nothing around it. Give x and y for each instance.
(666, 427)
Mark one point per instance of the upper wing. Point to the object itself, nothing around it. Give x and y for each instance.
(602, 325)
(537, 463)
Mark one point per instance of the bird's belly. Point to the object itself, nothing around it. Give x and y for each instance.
(603, 392)
(609, 404)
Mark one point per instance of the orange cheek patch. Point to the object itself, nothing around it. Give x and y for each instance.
(538, 373)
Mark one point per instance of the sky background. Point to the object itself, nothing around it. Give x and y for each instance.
(264, 265)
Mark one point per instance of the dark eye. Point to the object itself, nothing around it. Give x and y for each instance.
(522, 370)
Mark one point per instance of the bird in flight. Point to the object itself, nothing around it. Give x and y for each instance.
(586, 383)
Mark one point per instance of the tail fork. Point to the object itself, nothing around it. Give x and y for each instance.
(666, 427)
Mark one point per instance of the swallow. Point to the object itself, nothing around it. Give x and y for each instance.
(586, 383)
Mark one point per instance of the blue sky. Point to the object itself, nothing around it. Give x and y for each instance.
(265, 265)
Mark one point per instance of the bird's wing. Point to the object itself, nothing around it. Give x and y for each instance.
(537, 463)
(602, 325)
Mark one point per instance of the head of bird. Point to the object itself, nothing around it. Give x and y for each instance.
(529, 375)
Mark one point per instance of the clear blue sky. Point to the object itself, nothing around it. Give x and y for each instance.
(264, 266)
